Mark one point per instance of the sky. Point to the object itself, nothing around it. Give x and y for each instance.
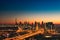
(30, 10)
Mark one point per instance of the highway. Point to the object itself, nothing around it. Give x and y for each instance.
(40, 31)
(31, 33)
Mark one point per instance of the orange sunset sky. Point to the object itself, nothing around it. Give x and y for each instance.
(55, 18)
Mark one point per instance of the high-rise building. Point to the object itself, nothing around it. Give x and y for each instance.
(39, 24)
(16, 21)
(36, 25)
(50, 25)
(42, 24)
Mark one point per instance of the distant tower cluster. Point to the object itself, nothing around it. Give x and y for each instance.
(35, 25)
(50, 25)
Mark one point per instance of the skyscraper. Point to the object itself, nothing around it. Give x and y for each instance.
(42, 24)
(49, 25)
(16, 21)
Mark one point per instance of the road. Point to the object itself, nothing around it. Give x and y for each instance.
(40, 31)
(31, 33)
